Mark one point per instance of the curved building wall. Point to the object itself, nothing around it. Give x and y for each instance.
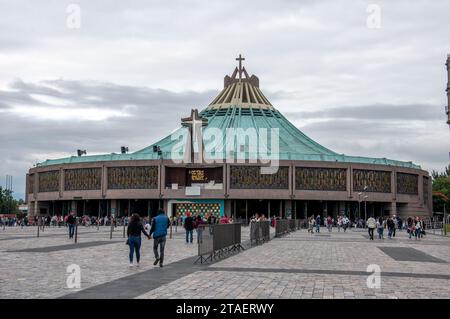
(408, 190)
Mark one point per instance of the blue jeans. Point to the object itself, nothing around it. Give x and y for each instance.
(161, 242)
(71, 230)
(317, 228)
(390, 232)
(135, 245)
(189, 233)
(418, 233)
(380, 232)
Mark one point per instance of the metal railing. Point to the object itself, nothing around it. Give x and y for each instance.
(259, 232)
(281, 227)
(219, 240)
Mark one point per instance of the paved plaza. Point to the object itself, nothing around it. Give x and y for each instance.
(298, 265)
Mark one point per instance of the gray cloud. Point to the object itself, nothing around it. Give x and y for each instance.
(385, 112)
(374, 92)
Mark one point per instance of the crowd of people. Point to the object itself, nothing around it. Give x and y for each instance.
(414, 226)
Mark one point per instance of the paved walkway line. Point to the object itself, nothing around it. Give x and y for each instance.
(327, 272)
(50, 249)
(138, 284)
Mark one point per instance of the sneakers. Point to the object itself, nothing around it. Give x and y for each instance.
(137, 265)
(156, 262)
(130, 265)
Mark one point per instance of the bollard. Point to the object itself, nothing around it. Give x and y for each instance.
(112, 229)
(124, 230)
(76, 233)
(38, 230)
(170, 231)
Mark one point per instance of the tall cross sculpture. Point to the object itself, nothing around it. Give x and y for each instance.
(240, 59)
(195, 143)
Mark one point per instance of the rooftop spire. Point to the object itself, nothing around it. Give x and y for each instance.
(240, 59)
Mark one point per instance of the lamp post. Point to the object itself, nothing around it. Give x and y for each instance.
(365, 207)
(359, 205)
(157, 149)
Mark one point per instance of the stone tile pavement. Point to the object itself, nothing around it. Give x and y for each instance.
(298, 265)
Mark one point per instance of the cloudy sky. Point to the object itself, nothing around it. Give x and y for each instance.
(360, 77)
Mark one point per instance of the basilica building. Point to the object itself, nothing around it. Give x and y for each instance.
(237, 156)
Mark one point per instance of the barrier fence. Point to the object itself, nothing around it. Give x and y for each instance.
(285, 226)
(259, 232)
(217, 241)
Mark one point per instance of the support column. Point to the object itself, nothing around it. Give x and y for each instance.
(36, 208)
(113, 207)
(227, 208)
(268, 208)
(282, 214)
(73, 206)
(246, 210)
(393, 208)
(288, 206)
(305, 211)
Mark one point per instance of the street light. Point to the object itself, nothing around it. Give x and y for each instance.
(365, 207)
(81, 152)
(157, 149)
(359, 205)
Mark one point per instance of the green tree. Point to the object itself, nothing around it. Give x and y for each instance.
(441, 185)
(8, 205)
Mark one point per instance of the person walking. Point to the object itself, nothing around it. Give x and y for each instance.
(395, 220)
(329, 223)
(380, 227)
(134, 230)
(200, 227)
(71, 221)
(410, 225)
(159, 230)
(418, 228)
(345, 223)
(318, 221)
(339, 223)
(371, 225)
(311, 223)
(189, 227)
(391, 227)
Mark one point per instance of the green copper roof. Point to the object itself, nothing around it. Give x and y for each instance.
(293, 144)
(240, 105)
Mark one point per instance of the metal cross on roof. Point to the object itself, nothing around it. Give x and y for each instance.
(240, 59)
(194, 124)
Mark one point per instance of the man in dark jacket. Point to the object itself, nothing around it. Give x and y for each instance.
(159, 230)
(391, 227)
(189, 226)
(71, 221)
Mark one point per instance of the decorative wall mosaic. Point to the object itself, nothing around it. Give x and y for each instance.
(133, 177)
(49, 181)
(323, 179)
(250, 177)
(376, 181)
(407, 184)
(82, 179)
